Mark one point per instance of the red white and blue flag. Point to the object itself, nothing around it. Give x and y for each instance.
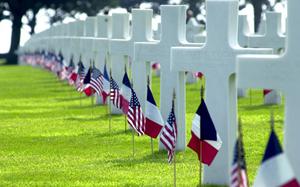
(239, 169)
(97, 81)
(86, 83)
(275, 169)
(154, 120)
(169, 135)
(206, 135)
(125, 93)
(80, 76)
(115, 95)
(135, 116)
(106, 85)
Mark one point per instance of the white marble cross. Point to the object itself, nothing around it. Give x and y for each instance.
(273, 37)
(120, 30)
(141, 31)
(216, 59)
(101, 43)
(192, 28)
(280, 72)
(172, 34)
(86, 41)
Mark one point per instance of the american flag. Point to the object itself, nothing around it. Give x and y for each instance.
(97, 81)
(115, 95)
(239, 170)
(169, 135)
(135, 116)
(80, 76)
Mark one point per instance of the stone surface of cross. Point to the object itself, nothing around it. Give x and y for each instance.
(120, 30)
(172, 34)
(140, 32)
(101, 43)
(273, 37)
(280, 72)
(216, 59)
(192, 28)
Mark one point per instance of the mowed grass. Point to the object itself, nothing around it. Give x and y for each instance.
(48, 139)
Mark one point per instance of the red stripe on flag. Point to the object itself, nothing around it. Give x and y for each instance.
(267, 91)
(208, 152)
(152, 129)
(291, 183)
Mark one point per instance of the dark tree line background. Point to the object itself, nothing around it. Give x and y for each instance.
(14, 10)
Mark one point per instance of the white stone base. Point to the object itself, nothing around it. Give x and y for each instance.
(241, 92)
(272, 98)
(190, 78)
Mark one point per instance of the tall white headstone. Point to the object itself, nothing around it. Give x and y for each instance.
(172, 34)
(120, 30)
(280, 72)
(217, 62)
(101, 43)
(140, 32)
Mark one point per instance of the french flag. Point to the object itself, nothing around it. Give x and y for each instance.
(86, 81)
(154, 121)
(106, 85)
(125, 93)
(206, 135)
(275, 169)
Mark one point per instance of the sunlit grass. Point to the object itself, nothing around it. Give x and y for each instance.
(48, 139)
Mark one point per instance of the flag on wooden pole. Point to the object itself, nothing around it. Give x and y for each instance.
(275, 169)
(106, 84)
(115, 96)
(209, 138)
(154, 120)
(125, 93)
(169, 134)
(135, 116)
(239, 169)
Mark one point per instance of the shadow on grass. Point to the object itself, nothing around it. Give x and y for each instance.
(258, 107)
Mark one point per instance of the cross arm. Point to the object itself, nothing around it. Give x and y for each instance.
(146, 51)
(120, 46)
(259, 71)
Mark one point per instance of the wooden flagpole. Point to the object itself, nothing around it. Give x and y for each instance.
(174, 158)
(92, 101)
(109, 104)
(125, 117)
(151, 139)
(200, 143)
(132, 131)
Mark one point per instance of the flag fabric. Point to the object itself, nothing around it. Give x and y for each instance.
(87, 89)
(80, 76)
(207, 135)
(266, 91)
(135, 116)
(106, 85)
(97, 81)
(169, 135)
(275, 169)
(239, 169)
(115, 96)
(154, 120)
(125, 93)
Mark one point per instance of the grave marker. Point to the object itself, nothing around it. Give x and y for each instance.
(280, 72)
(216, 60)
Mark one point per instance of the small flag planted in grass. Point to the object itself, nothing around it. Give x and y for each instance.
(275, 169)
(208, 137)
(169, 134)
(115, 93)
(154, 120)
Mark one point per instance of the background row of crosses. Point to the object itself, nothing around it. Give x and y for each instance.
(225, 64)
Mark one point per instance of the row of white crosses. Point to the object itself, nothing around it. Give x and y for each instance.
(280, 72)
(270, 36)
(216, 59)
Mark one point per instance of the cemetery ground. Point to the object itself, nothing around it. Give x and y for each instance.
(48, 139)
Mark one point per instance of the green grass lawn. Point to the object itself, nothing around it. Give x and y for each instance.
(48, 139)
